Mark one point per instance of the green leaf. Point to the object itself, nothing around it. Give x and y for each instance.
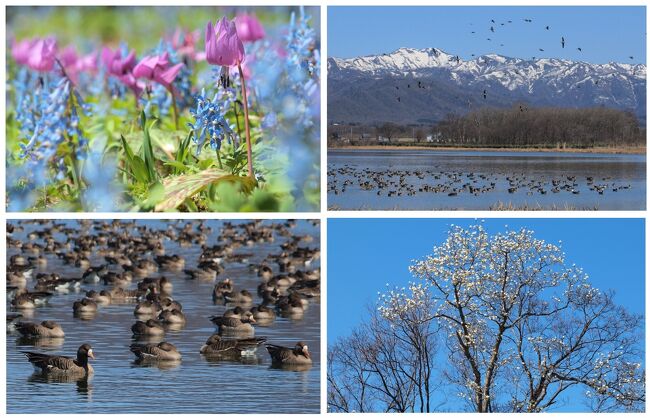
(149, 159)
(139, 169)
(156, 195)
(180, 166)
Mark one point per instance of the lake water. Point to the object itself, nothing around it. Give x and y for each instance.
(472, 180)
(196, 385)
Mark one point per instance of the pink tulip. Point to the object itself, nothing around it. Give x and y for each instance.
(115, 64)
(185, 42)
(130, 81)
(222, 45)
(87, 62)
(249, 28)
(69, 57)
(156, 68)
(122, 68)
(20, 50)
(42, 55)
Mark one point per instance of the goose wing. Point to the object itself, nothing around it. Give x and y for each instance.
(51, 363)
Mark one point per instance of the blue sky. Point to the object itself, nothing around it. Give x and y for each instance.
(365, 254)
(604, 33)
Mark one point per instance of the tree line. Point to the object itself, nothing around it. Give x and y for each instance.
(520, 126)
(516, 127)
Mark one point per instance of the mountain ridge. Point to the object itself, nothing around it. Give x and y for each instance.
(504, 80)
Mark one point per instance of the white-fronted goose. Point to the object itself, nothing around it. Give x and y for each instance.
(103, 298)
(243, 296)
(84, 305)
(235, 326)
(63, 365)
(217, 346)
(173, 316)
(150, 327)
(299, 355)
(147, 307)
(222, 288)
(44, 329)
(263, 313)
(160, 351)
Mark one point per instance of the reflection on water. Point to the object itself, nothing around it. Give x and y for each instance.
(429, 179)
(196, 384)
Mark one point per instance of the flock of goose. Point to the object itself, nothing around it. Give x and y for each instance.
(394, 182)
(133, 272)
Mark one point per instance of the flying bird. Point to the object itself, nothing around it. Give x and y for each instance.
(548, 28)
(563, 42)
(541, 49)
(492, 28)
(492, 20)
(398, 99)
(484, 94)
(579, 49)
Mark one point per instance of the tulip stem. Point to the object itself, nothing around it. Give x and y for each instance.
(171, 91)
(246, 122)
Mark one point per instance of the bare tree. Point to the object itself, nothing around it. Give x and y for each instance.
(384, 365)
(520, 328)
(388, 130)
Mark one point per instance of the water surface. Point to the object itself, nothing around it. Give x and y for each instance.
(196, 385)
(480, 180)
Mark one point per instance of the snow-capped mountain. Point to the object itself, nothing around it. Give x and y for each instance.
(424, 85)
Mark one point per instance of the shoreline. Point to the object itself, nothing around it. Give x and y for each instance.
(597, 150)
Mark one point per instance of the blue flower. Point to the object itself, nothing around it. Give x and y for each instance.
(210, 121)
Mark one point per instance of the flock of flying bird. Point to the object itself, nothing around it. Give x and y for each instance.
(492, 29)
(129, 274)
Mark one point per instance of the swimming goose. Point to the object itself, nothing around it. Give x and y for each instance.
(84, 305)
(263, 313)
(216, 346)
(299, 355)
(168, 304)
(243, 296)
(24, 299)
(160, 351)
(202, 273)
(48, 364)
(222, 288)
(150, 327)
(170, 262)
(103, 297)
(235, 326)
(45, 329)
(173, 316)
(147, 307)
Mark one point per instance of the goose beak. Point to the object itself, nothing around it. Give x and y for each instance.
(91, 354)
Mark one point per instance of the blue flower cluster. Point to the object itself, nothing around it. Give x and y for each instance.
(210, 121)
(286, 85)
(48, 117)
(53, 119)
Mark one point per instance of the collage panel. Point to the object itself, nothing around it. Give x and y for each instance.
(174, 108)
(163, 316)
(486, 108)
(486, 315)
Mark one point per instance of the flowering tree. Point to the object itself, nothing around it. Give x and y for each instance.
(521, 329)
